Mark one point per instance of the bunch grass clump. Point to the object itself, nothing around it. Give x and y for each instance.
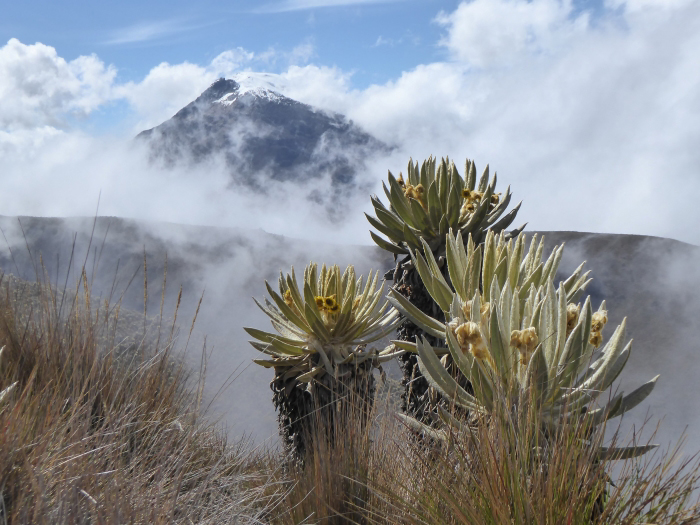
(491, 471)
(499, 470)
(86, 437)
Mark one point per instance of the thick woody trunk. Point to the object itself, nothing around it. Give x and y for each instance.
(418, 400)
(308, 412)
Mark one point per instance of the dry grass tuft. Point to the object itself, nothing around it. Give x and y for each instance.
(498, 471)
(93, 434)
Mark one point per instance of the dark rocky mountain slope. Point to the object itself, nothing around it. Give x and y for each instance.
(262, 135)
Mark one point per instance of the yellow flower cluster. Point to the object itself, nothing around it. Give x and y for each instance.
(572, 313)
(472, 198)
(470, 339)
(598, 322)
(525, 341)
(412, 192)
(327, 304)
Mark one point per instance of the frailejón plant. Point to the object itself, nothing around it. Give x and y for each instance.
(319, 348)
(423, 208)
(472, 268)
(435, 199)
(502, 258)
(518, 339)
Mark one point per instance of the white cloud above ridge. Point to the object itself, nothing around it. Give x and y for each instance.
(39, 88)
(168, 87)
(590, 124)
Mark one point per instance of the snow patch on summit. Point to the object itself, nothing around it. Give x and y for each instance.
(256, 84)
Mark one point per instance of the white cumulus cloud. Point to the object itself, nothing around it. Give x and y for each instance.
(488, 33)
(38, 88)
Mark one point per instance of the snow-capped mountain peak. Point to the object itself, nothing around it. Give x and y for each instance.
(257, 92)
(260, 133)
(251, 81)
(255, 85)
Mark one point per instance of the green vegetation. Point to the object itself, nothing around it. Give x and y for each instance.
(436, 199)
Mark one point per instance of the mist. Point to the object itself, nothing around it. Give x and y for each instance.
(68, 174)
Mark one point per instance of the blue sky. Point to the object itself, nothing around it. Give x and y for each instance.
(375, 40)
(590, 110)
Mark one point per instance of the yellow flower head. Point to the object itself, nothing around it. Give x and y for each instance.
(469, 338)
(468, 333)
(529, 338)
(526, 338)
(572, 313)
(485, 309)
(472, 195)
(419, 190)
(400, 180)
(480, 351)
(515, 338)
(467, 207)
(596, 339)
(467, 309)
(288, 298)
(599, 320)
(525, 341)
(329, 302)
